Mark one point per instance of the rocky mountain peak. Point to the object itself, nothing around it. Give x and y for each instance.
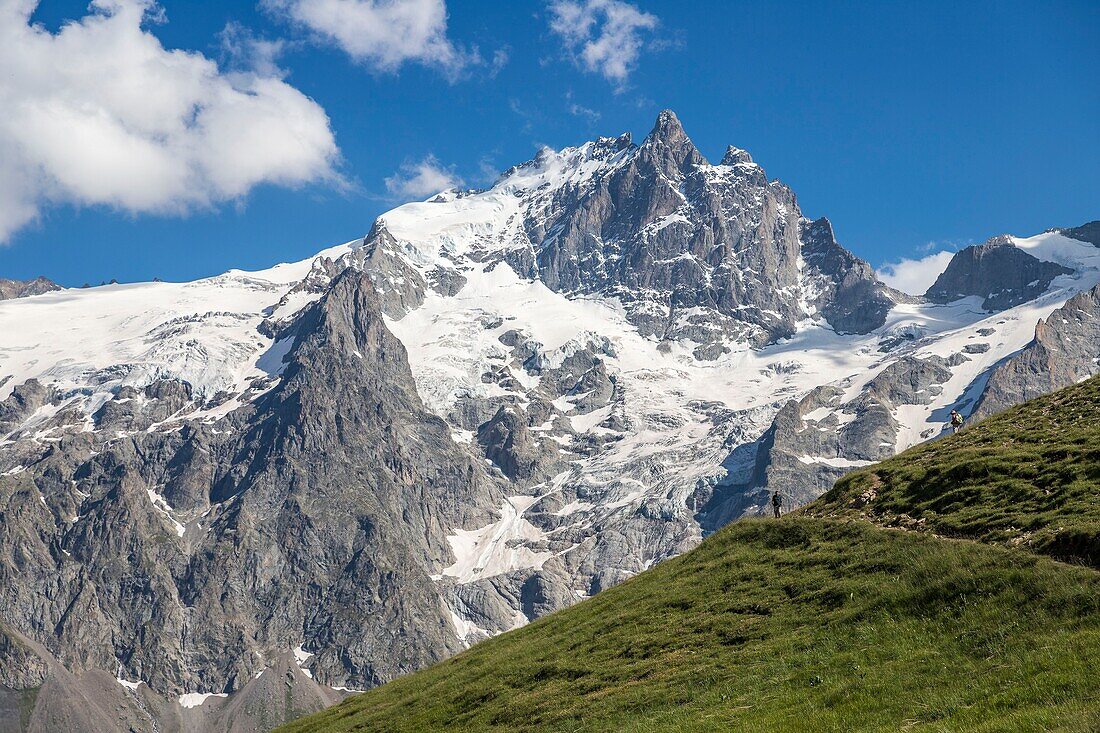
(669, 147)
(847, 293)
(997, 271)
(736, 156)
(818, 235)
(1089, 232)
(24, 288)
(667, 128)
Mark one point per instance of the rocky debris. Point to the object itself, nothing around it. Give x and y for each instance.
(1065, 350)
(25, 288)
(997, 271)
(55, 699)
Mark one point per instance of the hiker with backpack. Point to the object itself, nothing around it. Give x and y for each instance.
(956, 421)
(777, 503)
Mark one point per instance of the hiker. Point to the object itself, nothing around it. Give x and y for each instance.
(956, 421)
(777, 502)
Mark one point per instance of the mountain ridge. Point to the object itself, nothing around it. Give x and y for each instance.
(542, 426)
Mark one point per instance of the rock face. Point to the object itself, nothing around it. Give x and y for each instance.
(693, 250)
(997, 271)
(1066, 349)
(192, 562)
(23, 288)
(844, 287)
(1085, 233)
(815, 440)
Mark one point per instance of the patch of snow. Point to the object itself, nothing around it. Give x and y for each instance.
(195, 699)
(160, 504)
(499, 547)
(272, 361)
(127, 683)
(834, 461)
(97, 339)
(585, 423)
(301, 656)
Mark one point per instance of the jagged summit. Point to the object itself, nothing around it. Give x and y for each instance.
(736, 156)
(694, 252)
(24, 288)
(667, 128)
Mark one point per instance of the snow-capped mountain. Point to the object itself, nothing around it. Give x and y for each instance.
(494, 404)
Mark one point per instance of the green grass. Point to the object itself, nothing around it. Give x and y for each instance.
(1027, 477)
(827, 622)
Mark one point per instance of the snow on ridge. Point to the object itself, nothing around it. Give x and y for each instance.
(1063, 250)
(88, 342)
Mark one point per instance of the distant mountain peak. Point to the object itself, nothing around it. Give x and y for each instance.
(24, 288)
(997, 271)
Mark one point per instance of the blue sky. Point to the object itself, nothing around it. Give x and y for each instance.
(913, 127)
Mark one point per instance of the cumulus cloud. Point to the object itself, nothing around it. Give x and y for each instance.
(603, 36)
(382, 33)
(915, 276)
(100, 113)
(422, 179)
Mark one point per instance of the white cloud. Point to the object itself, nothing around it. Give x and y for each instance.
(915, 276)
(420, 180)
(382, 33)
(100, 113)
(244, 50)
(604, 36)
(578, 110)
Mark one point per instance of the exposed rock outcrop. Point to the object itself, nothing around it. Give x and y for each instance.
(1085, 233)
(997, 271)
(844, 287)
(1066, 349)
(24, 288)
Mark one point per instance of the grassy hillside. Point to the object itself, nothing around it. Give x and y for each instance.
(1028, 477)
(824, 622)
